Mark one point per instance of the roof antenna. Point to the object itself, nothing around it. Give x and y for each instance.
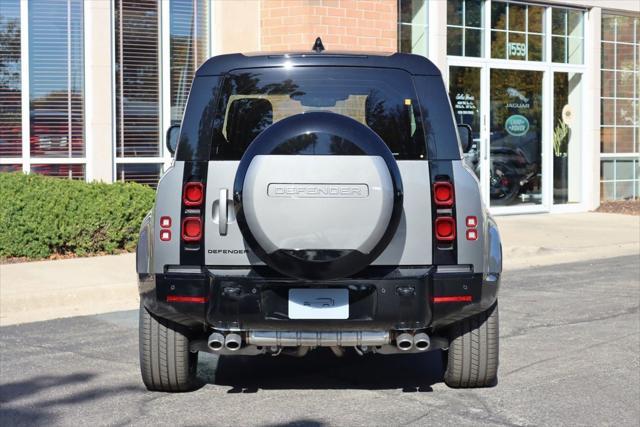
(318, 46)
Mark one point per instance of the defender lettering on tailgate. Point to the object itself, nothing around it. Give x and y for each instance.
(318, 190)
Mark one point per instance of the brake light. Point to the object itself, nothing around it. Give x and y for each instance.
(192, 194)
(191, 229)
(443, 194)
(445, 229)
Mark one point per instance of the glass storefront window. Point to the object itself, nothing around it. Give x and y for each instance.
(189, 49)
(567, 36)
(142, 173)
(517, 31)
(56, 78)
(464, 28)
(515, 154)
(464, 93)
(60, 171)
(10, 80)
(412, 26)
(620, 101)
(139, 98)
(137, 78)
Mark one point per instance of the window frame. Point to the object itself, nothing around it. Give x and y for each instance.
(26, 160)
(164, 158)
(615, 156)
(424, 26)
(465, 27)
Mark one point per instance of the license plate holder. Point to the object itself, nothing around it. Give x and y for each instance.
(312, 303)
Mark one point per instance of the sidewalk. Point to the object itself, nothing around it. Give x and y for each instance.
(50, 289)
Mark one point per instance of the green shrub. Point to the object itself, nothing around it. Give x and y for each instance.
(41, 216)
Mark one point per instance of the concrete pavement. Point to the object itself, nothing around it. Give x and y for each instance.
(568, 356)
(533, 240)
(50, 289)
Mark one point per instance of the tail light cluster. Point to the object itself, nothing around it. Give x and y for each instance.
(445, 224)
(192, 197)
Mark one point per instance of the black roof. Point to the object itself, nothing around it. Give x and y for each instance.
(414, 64)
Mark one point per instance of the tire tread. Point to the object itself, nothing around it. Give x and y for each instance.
(166, 363)
(473, 351)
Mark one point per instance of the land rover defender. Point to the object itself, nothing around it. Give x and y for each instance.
(318, 199)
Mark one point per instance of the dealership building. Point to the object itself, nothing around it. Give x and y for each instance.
(551, 89)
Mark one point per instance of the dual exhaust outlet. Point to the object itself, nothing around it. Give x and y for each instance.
(404, 342)
(231, 342)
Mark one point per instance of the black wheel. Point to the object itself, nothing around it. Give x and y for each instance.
(473, 351)
(505, 185)
(166, 363)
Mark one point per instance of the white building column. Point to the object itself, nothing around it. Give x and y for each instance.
(98, 64)
(591, 110)
(438, 37)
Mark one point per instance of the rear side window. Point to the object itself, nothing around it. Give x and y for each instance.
(251, 100)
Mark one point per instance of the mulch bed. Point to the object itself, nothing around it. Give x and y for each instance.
(626, 207)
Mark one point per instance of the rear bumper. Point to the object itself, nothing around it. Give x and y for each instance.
(380, 298)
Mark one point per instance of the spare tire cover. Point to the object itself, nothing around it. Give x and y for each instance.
(318, 196)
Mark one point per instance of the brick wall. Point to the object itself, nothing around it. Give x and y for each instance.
(363, 25)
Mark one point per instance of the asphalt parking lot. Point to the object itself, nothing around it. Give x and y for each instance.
(570, 355)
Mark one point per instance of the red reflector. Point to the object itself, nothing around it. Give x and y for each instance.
(165, 235)
(165, 222)
(472, 222)
(184, 298)
(191, 229)
(192, 194)
(460, 298)
(472, 234)
(445, 228)
(443, 193)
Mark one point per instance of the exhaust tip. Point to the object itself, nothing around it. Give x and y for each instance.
(404, 342)
(233, 342)
(421, 341)
(215, 341)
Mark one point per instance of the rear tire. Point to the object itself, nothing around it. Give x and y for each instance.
(166, 363)
(473, 351)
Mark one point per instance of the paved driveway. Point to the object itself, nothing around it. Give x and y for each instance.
(569, 356)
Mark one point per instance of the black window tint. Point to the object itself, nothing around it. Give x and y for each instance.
(246, 118)
(384, 100)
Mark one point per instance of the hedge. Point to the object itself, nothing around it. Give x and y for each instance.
(42, 216)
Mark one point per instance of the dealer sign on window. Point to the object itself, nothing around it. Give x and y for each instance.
(517, 49)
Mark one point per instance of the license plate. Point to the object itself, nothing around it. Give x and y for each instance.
(318, 303)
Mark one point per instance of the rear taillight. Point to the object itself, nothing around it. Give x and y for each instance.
(445, 229)
(443, 194)
(444, 201)
(191, 229)
(193, 194)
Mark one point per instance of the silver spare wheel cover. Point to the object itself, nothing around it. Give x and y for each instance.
(318, 196)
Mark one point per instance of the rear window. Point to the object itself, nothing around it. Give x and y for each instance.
(382, 99)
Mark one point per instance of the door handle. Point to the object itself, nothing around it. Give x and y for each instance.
(223, 212)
